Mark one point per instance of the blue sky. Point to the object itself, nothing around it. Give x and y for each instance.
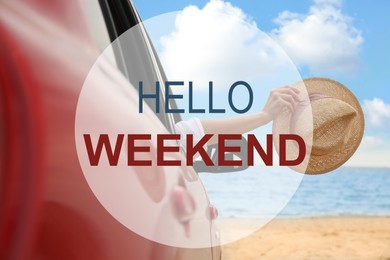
(372, 19)
(367, 25)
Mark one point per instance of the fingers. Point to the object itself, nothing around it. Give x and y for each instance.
(287, 96)
(281, 99)
(296, 90)
(287, 104)
(280, 102)
(292, 91)
(290, 100)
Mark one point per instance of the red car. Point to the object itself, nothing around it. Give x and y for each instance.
(47, 209)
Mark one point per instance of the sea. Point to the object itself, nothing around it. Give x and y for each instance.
(282, 193)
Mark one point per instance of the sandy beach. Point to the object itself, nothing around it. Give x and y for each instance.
(315, 238)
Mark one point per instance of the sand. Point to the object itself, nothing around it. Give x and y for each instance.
(315, 238)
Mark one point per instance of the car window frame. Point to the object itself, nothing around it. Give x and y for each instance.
(120, 16)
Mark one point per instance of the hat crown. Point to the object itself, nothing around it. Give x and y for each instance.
(332, 122)
(329, 119)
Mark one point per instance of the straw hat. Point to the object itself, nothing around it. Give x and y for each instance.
(329, 119)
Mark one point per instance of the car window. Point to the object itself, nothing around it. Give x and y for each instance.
(107, 21)
(97, 27)
(96, 23)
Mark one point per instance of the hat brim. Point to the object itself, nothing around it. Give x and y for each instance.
(315, 164)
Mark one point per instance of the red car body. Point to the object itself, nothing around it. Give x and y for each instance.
(48, 211)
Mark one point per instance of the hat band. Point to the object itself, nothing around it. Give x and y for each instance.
(301, 106)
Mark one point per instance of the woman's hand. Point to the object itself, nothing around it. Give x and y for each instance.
(279, 100)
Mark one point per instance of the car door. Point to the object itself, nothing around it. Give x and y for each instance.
(150, 72)
(48, 211)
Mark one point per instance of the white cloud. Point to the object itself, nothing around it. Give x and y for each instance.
(373, 152)
(377, 112)
(324, 39)
(218, 42)
(370, 158)
(371, 142)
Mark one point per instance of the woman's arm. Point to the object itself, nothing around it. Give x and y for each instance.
(279, 99)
